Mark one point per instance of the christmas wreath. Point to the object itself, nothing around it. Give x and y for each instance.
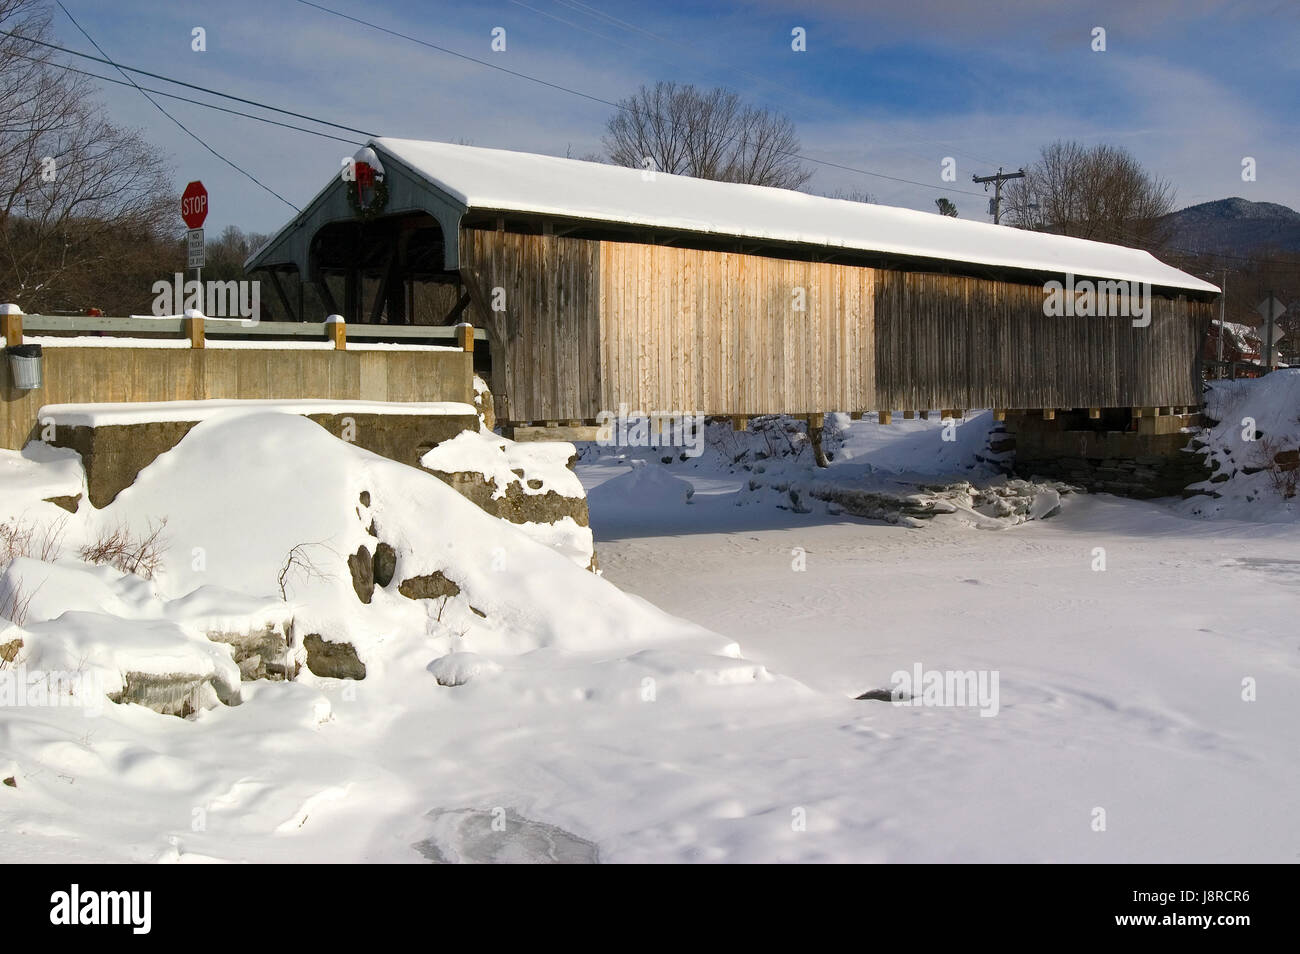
(378, 198)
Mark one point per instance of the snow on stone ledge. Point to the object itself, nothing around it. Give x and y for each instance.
(497, 459)
(106, 415)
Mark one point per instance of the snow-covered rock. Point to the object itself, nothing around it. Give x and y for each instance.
(456, 669)
(1252, 444)
(529, 484)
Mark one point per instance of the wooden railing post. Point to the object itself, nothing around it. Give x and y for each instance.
(194, 328)
(338, 331)
(11, 318)
(465, 336)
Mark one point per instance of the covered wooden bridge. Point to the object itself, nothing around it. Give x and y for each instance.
(603, 286)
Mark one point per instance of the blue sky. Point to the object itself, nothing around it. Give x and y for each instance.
(1189, 86)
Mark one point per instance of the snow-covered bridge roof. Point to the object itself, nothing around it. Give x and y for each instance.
(499, 180)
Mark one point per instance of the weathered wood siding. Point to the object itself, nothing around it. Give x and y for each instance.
(954, 342)
(589, 325)
(546, 342)
(719, 332)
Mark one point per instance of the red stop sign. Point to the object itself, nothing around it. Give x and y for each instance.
(194, 205)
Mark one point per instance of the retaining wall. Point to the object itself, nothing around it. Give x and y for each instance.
(1149, 460)
(106, 375)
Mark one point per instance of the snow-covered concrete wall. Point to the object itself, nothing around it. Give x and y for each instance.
(116, 446)
(94, 375)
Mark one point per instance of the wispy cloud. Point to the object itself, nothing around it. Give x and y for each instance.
(1189, 87)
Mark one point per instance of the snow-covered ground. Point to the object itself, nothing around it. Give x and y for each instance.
(1119, 689)
(696, 704)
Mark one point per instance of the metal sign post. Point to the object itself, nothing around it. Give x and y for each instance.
(195, 252)
(194, 210)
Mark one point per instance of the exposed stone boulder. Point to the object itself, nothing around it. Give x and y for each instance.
(362, 567)
(384, 564)
(267, 653)
(512, 502)
(178, 693)
(431, 586)
(528, 484)
(332, 660)
(69, 503)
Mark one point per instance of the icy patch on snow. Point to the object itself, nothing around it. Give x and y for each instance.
(501, 836)
(994, 505)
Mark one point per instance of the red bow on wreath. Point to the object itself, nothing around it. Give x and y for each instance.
(365, 175)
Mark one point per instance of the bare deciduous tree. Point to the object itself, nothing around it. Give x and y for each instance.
(77, 194)
(708, 134)
(1095, 192)
(851, 195)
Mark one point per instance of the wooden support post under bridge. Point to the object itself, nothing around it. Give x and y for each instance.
(816, 423)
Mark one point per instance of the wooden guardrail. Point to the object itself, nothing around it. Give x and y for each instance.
(197, 328)
(147, 360)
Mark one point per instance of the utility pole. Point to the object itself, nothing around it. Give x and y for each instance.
(1223, 297)
(1270, 318)
(997, 180)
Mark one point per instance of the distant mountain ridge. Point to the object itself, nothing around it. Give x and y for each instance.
(1235, 226)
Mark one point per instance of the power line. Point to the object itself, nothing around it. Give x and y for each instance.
(610, 19)
(449, 52)
(605, 102)
(183, 99)
(185, 129)
(582, 9)
(176, 82)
